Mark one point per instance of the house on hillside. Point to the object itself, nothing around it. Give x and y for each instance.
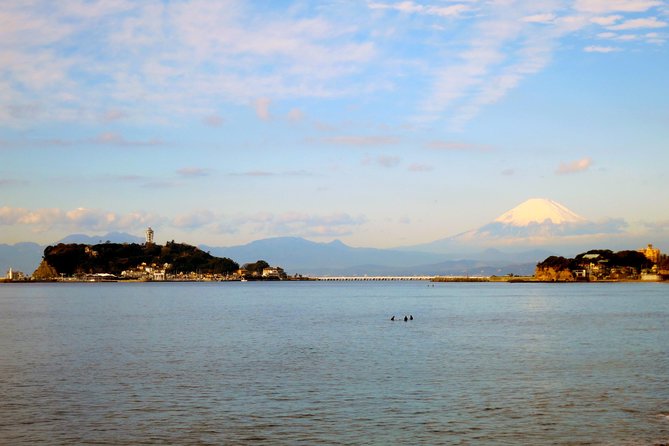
(273, 273)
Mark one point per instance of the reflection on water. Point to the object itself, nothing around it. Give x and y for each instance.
(321, 363)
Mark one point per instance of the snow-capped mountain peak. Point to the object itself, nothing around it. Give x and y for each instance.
(539, 210)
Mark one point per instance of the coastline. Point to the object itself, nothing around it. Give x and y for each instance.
(435, 279)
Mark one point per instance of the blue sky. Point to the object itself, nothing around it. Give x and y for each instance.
(379, 123)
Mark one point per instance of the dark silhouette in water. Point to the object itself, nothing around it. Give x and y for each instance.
(392, 318)
(410, 317)
(406, 318)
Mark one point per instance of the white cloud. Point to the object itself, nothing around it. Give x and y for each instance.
(574, 166)
(265, 224)
(540, 18)
(194, 220)
(606, 20)
(604, 6)
(650, 22)
(600, 49)
(410, 7)
(457, 146)
(366, 140)
(504, 48)
(607, 35)
(79, 219)
(163, 60)
(160, 58)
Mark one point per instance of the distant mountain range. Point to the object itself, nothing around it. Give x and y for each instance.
(513, 243)
(22, 257)
(297, 255)
(112, 237)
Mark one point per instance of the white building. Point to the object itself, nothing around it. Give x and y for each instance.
(149, 235)
(15, 275)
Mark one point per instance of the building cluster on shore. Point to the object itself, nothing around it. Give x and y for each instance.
(147, 262)
(159, 273)
(646, 264)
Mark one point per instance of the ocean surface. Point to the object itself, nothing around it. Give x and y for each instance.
(288, 363)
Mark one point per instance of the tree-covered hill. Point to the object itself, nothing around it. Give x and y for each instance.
(600, 263)
(73, 258)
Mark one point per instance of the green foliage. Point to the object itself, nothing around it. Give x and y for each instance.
(632, 259)
(558, 263)
(663, 264)
(256, 268)
(604, 254)
(70, 259)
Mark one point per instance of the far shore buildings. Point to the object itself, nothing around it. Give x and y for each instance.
(15, 275)
(652, 254)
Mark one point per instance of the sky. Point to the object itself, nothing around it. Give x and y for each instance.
(378, 123)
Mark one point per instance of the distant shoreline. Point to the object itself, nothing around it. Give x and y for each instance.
(435, 279)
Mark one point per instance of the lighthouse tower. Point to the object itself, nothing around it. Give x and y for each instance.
(149, 236)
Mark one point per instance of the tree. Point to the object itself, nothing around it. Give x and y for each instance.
(255, 269)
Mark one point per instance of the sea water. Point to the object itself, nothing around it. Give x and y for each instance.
(322, 364)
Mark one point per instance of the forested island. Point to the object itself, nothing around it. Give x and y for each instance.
(147, 262)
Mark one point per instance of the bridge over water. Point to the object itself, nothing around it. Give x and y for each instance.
(370, 278)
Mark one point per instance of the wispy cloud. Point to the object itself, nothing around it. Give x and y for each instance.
(362, 140)
(268, 224)
(268, 173)
(410, 7)
(605, 6)
(650, 22)
(261, 106)
(417, 167)
(130, 178)
(116, 139)
(6, 182)
(508, 172)
(80, 219)
(260, 224)
(574, 166)
(457, 146)
(295, 115)
(386, 161)
(540, 18)
(600, 49)
(194, 220)
(304, 224)
(113, 115)
(213, 120)
(606, 20)
(163, 58)
(166, 59)
(193, 172)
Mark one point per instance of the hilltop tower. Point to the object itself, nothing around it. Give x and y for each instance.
(149, 236)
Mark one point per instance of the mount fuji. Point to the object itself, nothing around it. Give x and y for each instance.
(535, 223)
